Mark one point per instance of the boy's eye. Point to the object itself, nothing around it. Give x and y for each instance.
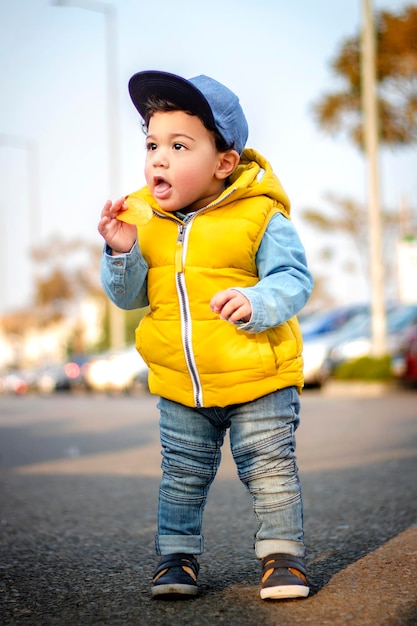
(151, 146)
(178, 146)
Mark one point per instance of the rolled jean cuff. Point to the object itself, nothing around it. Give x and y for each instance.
(276, 546)
(169, 544)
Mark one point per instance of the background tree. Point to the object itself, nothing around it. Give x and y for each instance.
(348, 218)
(396, 73)
(66, 272)
(341, 112)
(66, 277)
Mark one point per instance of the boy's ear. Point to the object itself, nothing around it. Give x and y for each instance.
(228, 162)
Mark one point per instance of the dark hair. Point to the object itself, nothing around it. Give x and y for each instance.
(154, 104)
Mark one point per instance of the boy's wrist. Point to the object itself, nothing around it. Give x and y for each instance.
(112, 252)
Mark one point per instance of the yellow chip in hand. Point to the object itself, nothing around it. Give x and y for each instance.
(138, 212)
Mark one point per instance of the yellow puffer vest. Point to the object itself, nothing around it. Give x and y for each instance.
(195, 358)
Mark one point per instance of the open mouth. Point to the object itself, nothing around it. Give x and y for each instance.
(161, 188)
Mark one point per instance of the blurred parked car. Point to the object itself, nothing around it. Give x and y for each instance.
(44, 379)
(115, 371)
(17, 382)
(406, 358)
(355, 341)
(323, 322)
(320, 331)
(62, 377)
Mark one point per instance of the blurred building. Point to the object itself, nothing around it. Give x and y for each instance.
(25, 344)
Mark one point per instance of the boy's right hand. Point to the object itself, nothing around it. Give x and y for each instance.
(118, 235)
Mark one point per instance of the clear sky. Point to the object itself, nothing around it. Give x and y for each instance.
(274, 54)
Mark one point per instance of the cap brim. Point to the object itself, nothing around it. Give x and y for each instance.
(171, 87)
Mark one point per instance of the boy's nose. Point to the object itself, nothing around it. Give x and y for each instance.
(159, 158)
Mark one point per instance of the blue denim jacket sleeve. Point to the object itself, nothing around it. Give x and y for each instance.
(124, 278)
(285, 281)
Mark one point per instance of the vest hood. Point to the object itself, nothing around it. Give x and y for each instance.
(254, 177)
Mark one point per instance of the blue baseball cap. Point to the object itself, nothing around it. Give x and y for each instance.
(216, 105)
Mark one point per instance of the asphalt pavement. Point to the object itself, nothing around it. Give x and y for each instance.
(78, 496)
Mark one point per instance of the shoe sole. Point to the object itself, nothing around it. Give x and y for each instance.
(285, 592)
(174, 589)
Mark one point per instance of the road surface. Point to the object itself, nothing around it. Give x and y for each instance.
(78, 495)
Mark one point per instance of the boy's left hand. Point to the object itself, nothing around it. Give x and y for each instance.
(231, 305)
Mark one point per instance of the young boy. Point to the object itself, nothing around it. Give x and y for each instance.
(224, 273)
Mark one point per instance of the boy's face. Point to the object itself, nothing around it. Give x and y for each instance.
(182, 162)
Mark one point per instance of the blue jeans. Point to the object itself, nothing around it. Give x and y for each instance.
(263, 446)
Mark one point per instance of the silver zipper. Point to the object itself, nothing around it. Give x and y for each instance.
(186, 325)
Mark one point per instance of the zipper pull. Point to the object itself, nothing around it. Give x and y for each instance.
(179, 248)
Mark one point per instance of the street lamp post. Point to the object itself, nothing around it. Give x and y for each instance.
(370, 108)
(30, 147)
(31, 150)
(117, 334)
